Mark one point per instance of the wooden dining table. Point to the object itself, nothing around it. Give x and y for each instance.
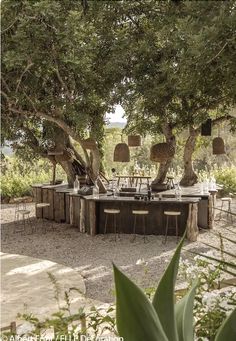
(134, 180)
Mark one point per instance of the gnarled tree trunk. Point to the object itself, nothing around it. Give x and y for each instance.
(189, 177)
(164, 167)
(162, 171)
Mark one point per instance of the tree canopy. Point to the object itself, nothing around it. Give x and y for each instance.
(64, 65)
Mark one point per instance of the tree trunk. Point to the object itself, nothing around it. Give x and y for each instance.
(162, 171)
(164, 167)
(189, 177)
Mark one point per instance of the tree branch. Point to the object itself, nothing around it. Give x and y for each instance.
(59, 122)
(8, 28)
(5, 84)
(67, 92)
(209, 61)
(21, 76)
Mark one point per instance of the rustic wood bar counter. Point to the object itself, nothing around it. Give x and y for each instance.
(155, 224)
(205, 206)
(87, 213)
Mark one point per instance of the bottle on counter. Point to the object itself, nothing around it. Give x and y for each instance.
(95, 190)
(116, 192)
(76, 184)
(178, 192)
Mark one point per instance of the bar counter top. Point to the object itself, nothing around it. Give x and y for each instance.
(105, 198)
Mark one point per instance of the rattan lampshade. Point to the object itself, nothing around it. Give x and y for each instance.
(161, 152)
(121, 153)
(134, 140)
(89, 143)
(218, 146)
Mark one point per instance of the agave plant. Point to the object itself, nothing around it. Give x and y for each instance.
(138, 319)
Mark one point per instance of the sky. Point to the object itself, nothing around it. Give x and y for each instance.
(117, 116)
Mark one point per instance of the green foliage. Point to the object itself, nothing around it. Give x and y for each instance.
(227, 177)
(135, 314)
(18, 176)
(92, 322)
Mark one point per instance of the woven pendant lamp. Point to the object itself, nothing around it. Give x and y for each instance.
(218, 146)
(121, 153)
(206, 128)
(161, 152)
(134, 140)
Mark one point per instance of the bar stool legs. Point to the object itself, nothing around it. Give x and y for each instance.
(113, 212)
(21, 212)
(142, 213)
(226, 200)
(175, 215)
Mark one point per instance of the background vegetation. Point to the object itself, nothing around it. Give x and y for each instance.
(19, 175)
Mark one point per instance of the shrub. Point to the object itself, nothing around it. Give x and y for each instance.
(227, 178)
(18, 176)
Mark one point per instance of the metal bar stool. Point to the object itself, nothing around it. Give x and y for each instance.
(21, 212)
(143, 214)
(42, 205)
(229, 201)
(169, 214)
(114, 212)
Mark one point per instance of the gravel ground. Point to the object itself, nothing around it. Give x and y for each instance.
(92, 257)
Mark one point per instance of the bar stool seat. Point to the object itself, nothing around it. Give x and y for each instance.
(23, 212)
(172, 213)
(175, 215)
(226, 199)
(142, 213)
(42, 204)
(111, 211)
(114, 212)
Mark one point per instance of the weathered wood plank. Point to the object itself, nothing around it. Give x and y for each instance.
(191, 225)
(82, 215)
(45, 199)
(92, 217)
(67, 199)
(51, 202)
(57, 216)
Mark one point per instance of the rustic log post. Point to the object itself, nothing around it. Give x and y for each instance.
(92, 217)
(210, 212)
(191, 226)
(82, 215)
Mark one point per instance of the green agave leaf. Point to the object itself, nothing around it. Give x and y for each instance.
(136, 318)
(184, 315)
(163, 300)
(227, 331)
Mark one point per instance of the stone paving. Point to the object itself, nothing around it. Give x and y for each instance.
(27, 288)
